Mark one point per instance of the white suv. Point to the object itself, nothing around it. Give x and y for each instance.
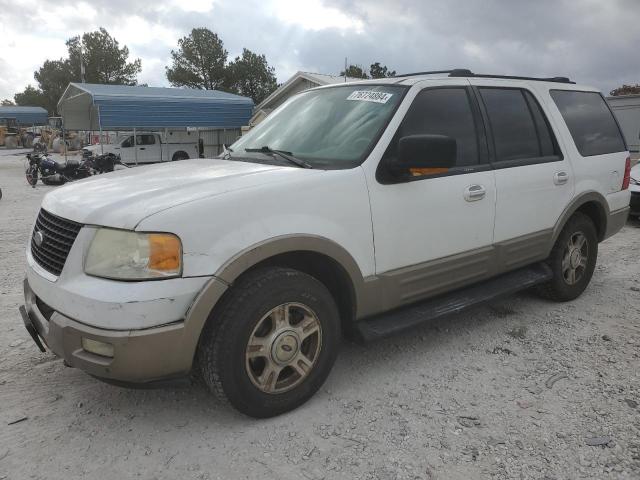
(357, 209)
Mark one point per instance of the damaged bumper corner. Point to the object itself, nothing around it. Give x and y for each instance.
(138, 356)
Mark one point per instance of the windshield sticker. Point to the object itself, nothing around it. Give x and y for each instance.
(370, 96)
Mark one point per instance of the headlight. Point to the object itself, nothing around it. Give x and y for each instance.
(126, 255)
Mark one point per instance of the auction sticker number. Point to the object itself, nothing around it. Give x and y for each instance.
(370, 96)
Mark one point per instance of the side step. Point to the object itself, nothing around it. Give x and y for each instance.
(407, 317)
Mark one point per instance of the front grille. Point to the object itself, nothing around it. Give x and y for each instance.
(58, 236)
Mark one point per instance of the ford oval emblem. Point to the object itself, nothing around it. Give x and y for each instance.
(38, 237)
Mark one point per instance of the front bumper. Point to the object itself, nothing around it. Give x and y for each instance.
(139, 356)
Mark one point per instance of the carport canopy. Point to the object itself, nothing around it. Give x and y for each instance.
(87, 106)
(26, 115)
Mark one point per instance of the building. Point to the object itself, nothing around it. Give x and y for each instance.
(300, 82)
(627, 111)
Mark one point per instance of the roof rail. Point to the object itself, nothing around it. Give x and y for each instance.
(459, 72)
(463, 72)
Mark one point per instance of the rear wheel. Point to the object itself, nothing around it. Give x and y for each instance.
(271, 343)
(572, 260)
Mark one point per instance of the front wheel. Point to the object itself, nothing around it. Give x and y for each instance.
(272, 342)
(32, 175)
(572, 260)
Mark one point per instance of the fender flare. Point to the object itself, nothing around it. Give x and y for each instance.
(576, 203)
(212, 292)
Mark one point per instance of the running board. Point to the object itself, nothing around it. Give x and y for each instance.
(395, 321)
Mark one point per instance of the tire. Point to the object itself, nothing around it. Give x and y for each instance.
(248, 314)
(180, 156)
(32, 176)
(564, 287)
(11, 142)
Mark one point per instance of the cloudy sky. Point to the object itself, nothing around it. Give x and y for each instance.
(596, 42)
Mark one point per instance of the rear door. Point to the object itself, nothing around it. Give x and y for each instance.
(534, 180)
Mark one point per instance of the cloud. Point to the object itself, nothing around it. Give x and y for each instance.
(591, 41)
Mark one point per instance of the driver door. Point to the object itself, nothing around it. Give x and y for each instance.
(433, 230)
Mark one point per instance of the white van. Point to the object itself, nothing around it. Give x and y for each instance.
(355, 209)
(149, 147)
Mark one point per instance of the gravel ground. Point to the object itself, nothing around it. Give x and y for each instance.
(521, 388)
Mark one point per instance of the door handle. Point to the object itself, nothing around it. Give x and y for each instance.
(142, 148)
(473, 193)
(560, 178)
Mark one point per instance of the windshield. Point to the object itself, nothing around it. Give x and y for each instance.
(328, 128)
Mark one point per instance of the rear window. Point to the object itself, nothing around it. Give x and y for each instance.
(590, 121)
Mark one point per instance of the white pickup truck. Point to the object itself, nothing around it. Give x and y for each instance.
(151, 147)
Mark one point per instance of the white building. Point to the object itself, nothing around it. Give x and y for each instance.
(627, 111)
(299, 82)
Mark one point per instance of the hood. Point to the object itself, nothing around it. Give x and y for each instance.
(123, 198)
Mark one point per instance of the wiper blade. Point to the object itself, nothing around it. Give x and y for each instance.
(286, 155)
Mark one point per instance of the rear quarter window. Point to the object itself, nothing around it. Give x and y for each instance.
(590, 122)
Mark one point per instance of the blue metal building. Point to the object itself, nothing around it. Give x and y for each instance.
(86, 106)
(26, 116)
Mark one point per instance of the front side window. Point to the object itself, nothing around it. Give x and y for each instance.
(333, 127)
(442, 111)
(590, 122)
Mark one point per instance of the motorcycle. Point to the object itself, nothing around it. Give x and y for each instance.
(54, 173)
(103, 163)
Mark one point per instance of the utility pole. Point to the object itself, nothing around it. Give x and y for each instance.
(81, 62)
(345, 69)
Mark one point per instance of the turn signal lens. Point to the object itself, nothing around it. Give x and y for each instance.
(164, 252)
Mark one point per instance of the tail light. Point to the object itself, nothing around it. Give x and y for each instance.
(627, 174)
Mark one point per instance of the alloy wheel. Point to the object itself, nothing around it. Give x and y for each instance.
(574, 261)
(283, 348)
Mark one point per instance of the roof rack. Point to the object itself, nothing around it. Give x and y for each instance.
(463, 72)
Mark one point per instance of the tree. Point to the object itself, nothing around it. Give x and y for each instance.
(6, 103)
(104, 60)
(380, 71)
(199, 61)
(53, 78)
(354, 71)
(31, 97)
(626, 90)
(250, 75)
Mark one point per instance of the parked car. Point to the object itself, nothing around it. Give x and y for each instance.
(634, 187)
(148, 147)
(357, 209)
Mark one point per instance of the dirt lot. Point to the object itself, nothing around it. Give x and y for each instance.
(516, 389)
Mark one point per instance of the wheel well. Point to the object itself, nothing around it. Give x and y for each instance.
(596, 213)
(180, 155)
(328, 271)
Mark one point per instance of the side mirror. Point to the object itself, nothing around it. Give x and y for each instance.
(426, 151)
